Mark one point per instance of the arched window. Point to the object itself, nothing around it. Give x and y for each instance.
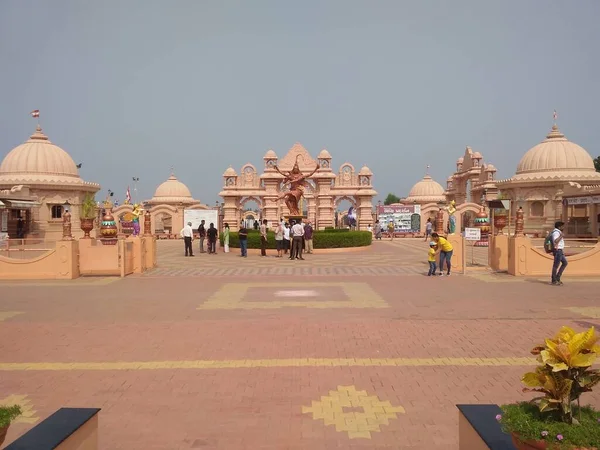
(537, 209)
(57, 211)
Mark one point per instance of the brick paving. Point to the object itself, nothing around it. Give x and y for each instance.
(343, 350)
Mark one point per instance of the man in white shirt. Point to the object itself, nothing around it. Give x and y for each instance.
(298, 233)
(187, 233)
(559, 253)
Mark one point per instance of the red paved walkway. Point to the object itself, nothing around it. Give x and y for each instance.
(170, 374)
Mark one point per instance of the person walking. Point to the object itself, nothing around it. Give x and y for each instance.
(202, 236)
(279, 239)
(226, 238)
(187, 233)
(378, 230)
(445, 250)
(428, 229)
(286, 238)
(298, 232)
(308, 237)
(212, 234)
(263, 238)
(560, 261)
(391, 229)
(243, 237)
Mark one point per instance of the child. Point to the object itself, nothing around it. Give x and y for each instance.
(431, 258)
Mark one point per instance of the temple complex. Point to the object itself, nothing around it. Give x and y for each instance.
(38, 182)
(542, 175)
(167, 206)
(426, 191)
(322, 195)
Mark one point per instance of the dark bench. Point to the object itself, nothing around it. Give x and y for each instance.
(478, 429)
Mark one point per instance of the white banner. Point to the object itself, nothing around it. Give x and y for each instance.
(583, 200)
(197, 215)
(473, 234)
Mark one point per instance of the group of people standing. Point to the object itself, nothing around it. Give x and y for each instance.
(290, 238)
(210, 235)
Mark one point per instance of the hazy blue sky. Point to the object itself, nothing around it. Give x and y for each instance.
(131, 88)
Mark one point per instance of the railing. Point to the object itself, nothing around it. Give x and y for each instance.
(25, 248)
(573, 246)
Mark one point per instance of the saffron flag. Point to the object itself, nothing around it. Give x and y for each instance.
(128, 196)
(35, 113)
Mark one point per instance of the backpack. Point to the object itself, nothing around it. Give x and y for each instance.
(549, 243)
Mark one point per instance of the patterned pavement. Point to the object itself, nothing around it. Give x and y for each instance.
(342, 350)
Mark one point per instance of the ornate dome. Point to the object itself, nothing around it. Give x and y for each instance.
(230, 172)
(556, 156)
(172, 191)
(324, 154)
(270, 154)
(425, 191)
(365, 171)
(39, 161)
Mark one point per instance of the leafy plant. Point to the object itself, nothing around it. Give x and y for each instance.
(8, 414)
(88, 207)
(563, 375)
(391, 198)
(321, 239)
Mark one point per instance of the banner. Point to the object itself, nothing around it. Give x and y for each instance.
(197, 215)
(406, 219)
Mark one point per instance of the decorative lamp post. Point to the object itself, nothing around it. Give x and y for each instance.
(67, 236)
(520, 223)
(147, 220)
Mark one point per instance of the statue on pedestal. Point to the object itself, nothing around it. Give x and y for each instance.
(297, 182)
(451, 218)
(137, 211)
(67, 227)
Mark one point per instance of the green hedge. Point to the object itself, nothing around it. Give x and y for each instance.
(321, 239)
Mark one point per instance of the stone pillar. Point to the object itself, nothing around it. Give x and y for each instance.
(147, 223)
(594, 219)
(325, 213)
(231, 213)
(365, 212)
(67, 236)
(520, 223)
(439, 222)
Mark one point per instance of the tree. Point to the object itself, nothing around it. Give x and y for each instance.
(597, 164)
(391, 198)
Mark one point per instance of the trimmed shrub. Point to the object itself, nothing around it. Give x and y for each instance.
(321, 239)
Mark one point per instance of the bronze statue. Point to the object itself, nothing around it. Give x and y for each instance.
(297, 182)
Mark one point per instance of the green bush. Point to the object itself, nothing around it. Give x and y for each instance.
(321, 239)
(8, 414)
(335, 230)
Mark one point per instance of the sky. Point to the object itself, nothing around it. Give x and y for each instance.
(133, 88)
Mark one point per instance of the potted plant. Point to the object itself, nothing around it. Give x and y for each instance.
(556, 420)
(7, 415)
(88, 215)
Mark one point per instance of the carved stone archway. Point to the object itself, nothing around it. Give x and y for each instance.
(472, 180)
(320, 195)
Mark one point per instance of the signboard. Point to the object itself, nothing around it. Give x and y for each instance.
(4, 226)
(473, 234)
(196, 215)
(583, 200)
(406, 219)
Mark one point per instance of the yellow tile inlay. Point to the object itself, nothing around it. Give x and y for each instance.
(28, 414)
(8, 314)
(266, 363)
(231, 296)
(588, 311)
(369, 411)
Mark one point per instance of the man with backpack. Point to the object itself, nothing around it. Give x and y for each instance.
(555, 244)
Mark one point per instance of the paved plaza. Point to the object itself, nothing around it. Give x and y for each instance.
(348, 350)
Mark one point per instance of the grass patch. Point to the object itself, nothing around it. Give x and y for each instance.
(8, 414)
(525, 420)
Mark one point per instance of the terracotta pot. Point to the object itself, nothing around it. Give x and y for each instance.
(527, 445)
(3, 432)
(499, 223)
(537, 445)
(87, 225)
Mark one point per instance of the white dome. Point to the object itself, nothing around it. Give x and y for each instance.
(39, 161)
(558, 155)
(172, 188)
(426, 190)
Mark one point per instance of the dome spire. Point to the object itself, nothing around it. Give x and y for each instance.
(427, 170)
